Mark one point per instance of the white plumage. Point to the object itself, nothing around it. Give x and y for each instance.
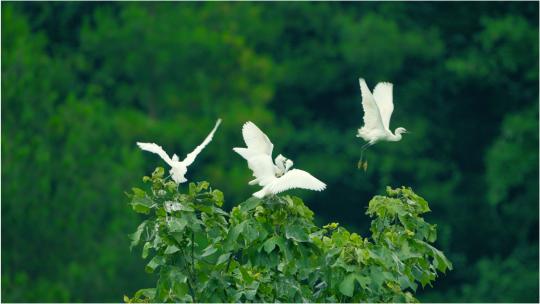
(179, 168)
(274, 177)
(378, 108)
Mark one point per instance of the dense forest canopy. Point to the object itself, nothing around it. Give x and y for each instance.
(82, 82)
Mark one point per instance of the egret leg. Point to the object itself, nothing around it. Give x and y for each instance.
(360, 162)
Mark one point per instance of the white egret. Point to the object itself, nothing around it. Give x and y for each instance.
(274, 177)
(179, 168)
(378, 108)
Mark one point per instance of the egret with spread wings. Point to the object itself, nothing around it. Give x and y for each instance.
(274, 177)
(179, 168)
(378, 108)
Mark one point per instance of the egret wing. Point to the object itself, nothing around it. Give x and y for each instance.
(247, 153)
(296, 179)
(263, 169)
(256, 140)
(383, 97)
(191, 156)
(152, 147)
(372, 117)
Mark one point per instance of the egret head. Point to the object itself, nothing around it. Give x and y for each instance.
(280, 160)
(283, 163)
(400, 131)
(175, 158)
(288, 164)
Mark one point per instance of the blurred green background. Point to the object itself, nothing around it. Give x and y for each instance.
(82, 82)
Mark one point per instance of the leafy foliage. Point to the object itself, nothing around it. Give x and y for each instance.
(81, 82)
(268, 250)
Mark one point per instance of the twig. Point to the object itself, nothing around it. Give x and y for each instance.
(229, 263)
(192, 252)
(190, 277)
(191, 291)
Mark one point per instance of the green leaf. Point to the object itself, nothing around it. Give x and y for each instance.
(192, 189)
(297, 233)
(218, 197)
(154, 263)
(223, 258)
(270, 244)
(250, 294)
(171, 249)
(250, 231)
(145, 250)
(234, 232)
(282, 244)
(163, 287)
(209, 251)
(364, 281)
(432, 233)
(138, 192)
(346, 266)
(440, 261)
(136, 236)
(161, 212)
(250, 204)
(205, 209)
(171, 186)
(378, 276)
(141, 204)
(245, 274)
(331, 226)
(202, 186)
(405, 282)
(177, 224)
(301, 208)
(187, 208)
(346, 286)
(148, 293)
(158, 173)
(421, 275)
(176, 275)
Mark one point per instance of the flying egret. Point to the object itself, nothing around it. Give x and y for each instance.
(274, 177)
(179, 168)
(378, 108)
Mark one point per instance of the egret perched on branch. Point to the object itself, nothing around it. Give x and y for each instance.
(378, 108)
(274, 177)
(179, 168)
